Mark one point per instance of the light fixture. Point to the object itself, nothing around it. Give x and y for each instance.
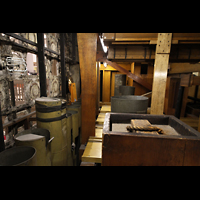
(105, 48)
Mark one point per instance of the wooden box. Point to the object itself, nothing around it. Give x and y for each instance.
(135, 149)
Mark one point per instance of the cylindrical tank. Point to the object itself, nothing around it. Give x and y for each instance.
(120, 79)
(18, 156)
(129, 104)
(59, 158)
(76, 107)
(49, 115)
(69, 139)
(37, 138)
(64, 121)
(75, 127)
(126, 90)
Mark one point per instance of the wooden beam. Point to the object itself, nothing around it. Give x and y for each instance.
(160, 72)
(183, 68)
(129, 74)
(87, 47)
(106, 86)
(41, 64)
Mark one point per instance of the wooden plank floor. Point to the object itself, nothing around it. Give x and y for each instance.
(93, 149)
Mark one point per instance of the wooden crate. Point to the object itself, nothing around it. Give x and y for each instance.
(135, 149)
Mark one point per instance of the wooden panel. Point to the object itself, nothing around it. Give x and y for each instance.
(164, 43)
(135, 36)
(130, 81)
(87, 44)
(93, 152)
(186, 36)
(172, 87)
(159, 83)
(195, 80)
(106, 86)
(129, 74)
(191, 156)
(160, 72)
(184, 68)
(150, 36)
(119, 150)
(126, 66)
(184, 101)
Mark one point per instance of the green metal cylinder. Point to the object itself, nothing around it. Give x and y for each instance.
(76, 107)
(51, 115)
(69, 139)
(37, 138)
(75, 128)
(18, 156)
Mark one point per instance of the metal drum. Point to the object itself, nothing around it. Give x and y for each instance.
(49, 115)
(129, 104)
(126, 90)
(120, 79)
(69, 139)
(64, 121)
(59, 158)
(75, 126)
(18, 156)
(37, 138)
(76, 107)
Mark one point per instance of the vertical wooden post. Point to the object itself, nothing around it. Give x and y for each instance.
(160, 72)
(42, 69)
(63, 71)
(130, 81)
(106, 85)
(98, 86)
(87, 46)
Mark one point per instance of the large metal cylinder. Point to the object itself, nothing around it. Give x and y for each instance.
(69, 139)
(77, 107)
(18, 156)
(129, 104)
(75, 127)
(120, 79)
(126, 90)
(37, 138)
(59, 158)
(52, 116)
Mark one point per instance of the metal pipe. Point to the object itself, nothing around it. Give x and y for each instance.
(42, 70)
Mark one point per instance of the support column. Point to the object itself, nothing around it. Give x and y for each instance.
(160, 72)
(87, 47)
(42, 69)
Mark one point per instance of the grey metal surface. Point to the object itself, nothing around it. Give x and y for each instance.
(15, 156)
(120, 79)
(126, 90)
(129, 104)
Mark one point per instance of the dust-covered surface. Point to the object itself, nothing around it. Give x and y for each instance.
(168, 130)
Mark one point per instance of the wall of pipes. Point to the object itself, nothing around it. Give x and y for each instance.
(26, 85)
